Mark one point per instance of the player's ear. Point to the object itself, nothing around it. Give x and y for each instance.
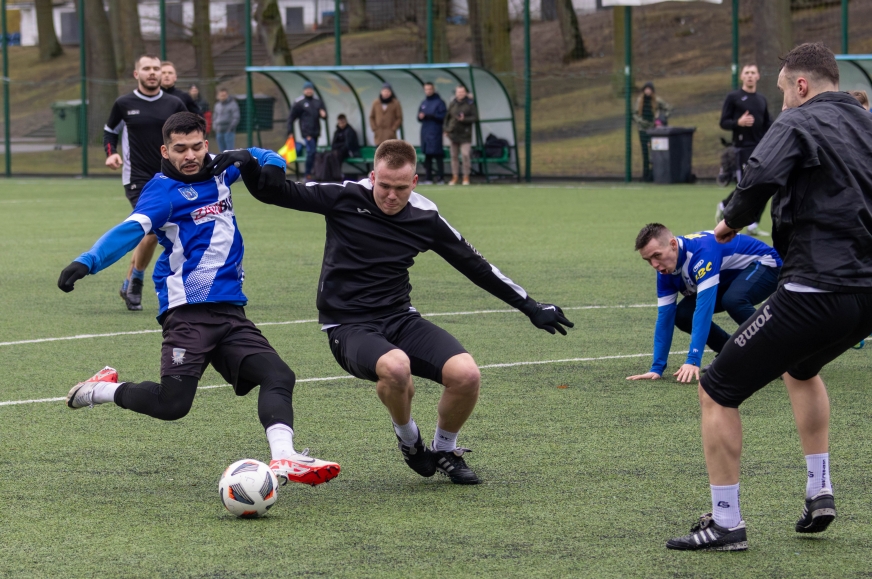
(164, 152)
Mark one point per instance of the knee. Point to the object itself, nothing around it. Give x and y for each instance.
(174, 409)
(461, 374)
(394, 369)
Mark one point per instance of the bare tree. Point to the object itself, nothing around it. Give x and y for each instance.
(202, 41)
(356, 15)
(49, 47)
(272, 34)
(126, 36)
(100, 60)
(573, 44)
(491, 37)
(773, 38)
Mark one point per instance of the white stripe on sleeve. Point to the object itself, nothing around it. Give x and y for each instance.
(143, 220)
(711, 282)
(667, 300)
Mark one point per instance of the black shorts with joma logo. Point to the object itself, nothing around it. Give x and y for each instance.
(794, 332)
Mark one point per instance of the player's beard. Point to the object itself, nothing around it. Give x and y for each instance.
(149, 84)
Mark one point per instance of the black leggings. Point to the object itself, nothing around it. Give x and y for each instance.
(173, 397)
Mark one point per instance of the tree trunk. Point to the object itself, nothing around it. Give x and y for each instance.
(773, 38)
(356, 15)
(619, 14)
(440, 31)
(491, 34)
(131, 32)
(202, 41)
(49, 47)
(269, 27)
(117, 36)
(573, 44)
(100, 56)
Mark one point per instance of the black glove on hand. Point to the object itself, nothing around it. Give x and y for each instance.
(548, 317)
(71, 274)
(221, 161)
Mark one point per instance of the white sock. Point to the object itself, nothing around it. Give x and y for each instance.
(444, 440)
(408, 433)
(281, 441)
(725, 505)
(753, 226)
(818, 474)
(104, 392)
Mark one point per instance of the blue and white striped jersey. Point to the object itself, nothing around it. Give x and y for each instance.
(703, 265)
(196, 226)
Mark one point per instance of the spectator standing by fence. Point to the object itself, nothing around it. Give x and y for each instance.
(386, 115)
(225, 119)
(457, 126)
(203, 105)
(310, 111)
(431, 114)
(651, 111)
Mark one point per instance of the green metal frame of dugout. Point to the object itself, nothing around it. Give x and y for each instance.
(351, 90)
(855, 72)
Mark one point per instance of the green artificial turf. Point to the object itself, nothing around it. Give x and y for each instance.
(585, 474)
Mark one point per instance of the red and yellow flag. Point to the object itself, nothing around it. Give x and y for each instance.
(288, 152)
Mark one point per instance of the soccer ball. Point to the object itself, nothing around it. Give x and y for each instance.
(248, 488)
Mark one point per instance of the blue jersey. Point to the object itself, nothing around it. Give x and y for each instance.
(703, 265)
(196, 226)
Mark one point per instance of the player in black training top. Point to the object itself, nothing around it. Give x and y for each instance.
(745, 113)
(143, 114)
(375, 229)
(168, 79)
(821, 180)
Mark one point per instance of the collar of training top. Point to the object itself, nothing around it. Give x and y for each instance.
(832, 97)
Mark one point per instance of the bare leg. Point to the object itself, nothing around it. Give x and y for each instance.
(394, 386)
(461, 379)
(811, 410)
(721, 440)
(144, 252)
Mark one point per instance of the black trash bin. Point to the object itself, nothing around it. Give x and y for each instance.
(671, 154)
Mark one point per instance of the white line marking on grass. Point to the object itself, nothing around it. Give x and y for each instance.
(472, 312)
(347, 377)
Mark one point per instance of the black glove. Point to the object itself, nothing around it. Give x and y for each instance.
(548, 317)
(239, 157)
(71, 274)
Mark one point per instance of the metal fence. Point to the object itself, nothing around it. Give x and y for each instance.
(574, 92)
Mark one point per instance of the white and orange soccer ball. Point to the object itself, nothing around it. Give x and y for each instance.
(248, 488)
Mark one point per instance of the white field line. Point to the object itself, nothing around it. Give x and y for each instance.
(469, 313)
(346, 377)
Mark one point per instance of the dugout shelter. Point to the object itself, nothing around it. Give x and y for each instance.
(855, 72)
(351, 90)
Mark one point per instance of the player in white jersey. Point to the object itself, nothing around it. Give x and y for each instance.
(198, 279)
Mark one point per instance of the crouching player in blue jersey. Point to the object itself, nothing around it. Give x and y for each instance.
(714, 277)
(198, 279)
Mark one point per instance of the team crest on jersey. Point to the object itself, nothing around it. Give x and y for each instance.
(188, 193)
(178, 356)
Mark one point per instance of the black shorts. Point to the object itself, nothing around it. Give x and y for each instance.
(132, 192)
(196, 335)
(357, 347)
(797, 333)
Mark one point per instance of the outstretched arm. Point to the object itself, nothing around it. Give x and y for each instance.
(662, 338)
(467, 260)
(112, 246)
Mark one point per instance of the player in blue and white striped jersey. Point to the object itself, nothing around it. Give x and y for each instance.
(713, 277)
(198, 279)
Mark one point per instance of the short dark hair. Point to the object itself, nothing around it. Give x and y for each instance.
(141, 56)
(649, 232)
(341, 117)
(428, 83)
(183, 123)
(395, 153)
(812, 58)
(164, 63)
(749, 64)
(463, 86)
(222, 89)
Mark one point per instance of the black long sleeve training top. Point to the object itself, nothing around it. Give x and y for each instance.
(367, 254)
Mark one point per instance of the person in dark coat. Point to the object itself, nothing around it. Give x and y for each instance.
(310, 110)
(345, 143)
(431, 113)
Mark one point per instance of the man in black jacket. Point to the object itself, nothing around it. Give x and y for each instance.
(746, 114)
(310, 111)
(815, 161)
(168, 79)
(375, 229)
(345, 143)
